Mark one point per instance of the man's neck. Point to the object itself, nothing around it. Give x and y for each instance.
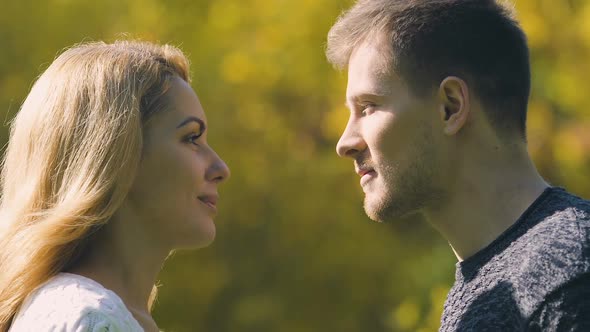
(480, 207)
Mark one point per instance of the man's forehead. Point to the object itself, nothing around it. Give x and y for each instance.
(372, 62)
(377, 46)
(371, 83)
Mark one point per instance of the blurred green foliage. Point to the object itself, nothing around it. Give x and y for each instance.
(294, 250)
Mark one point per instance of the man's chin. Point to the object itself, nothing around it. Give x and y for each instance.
(375, 211)
(386, 211)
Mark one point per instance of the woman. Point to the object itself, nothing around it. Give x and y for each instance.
(107, 170)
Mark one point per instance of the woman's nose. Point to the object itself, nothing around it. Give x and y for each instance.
(218, 171)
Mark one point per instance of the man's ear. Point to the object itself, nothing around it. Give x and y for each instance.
(454, 106)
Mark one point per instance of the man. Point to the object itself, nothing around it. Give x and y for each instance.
(438, 92)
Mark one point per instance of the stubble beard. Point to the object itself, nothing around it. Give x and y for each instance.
(405, 190)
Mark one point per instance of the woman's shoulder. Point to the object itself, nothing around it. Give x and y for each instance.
(70, 302)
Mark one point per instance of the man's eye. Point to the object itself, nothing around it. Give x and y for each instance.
(367, 109)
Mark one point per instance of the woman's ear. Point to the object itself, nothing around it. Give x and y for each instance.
(454, 106)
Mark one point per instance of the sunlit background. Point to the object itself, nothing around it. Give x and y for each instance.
(294, 250)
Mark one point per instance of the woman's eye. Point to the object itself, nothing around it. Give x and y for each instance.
(193, 139)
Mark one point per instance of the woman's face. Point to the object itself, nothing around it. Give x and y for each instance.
(175, 192)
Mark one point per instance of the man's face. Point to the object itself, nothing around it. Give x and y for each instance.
(390, 137)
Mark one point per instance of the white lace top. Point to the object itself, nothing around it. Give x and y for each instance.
(73, 303)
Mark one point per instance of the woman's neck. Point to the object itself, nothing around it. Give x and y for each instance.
(125, 263)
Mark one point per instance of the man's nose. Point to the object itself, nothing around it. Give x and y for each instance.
(351, 142)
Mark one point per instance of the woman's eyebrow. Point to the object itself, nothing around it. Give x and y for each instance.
(192, 119)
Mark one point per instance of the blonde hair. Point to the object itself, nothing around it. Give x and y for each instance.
(73, 152)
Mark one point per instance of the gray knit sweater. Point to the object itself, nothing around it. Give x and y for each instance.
(533, 277)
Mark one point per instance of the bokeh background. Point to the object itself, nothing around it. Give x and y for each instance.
(294, 250)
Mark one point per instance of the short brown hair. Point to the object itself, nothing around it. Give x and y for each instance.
(477, 40)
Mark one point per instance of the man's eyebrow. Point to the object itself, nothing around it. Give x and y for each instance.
(192, 119)
(362, 96)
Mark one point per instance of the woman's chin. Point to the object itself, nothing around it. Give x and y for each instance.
(198, 238)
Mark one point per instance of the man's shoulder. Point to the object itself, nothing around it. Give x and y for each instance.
(561, 206)
(553, 252)
(547, 250)
(560, 238)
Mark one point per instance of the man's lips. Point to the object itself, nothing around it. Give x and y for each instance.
(362, 171)
(366, 174)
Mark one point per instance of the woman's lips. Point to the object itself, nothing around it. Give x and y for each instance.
(210, 201)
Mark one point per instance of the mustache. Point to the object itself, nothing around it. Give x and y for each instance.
(363, 162)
